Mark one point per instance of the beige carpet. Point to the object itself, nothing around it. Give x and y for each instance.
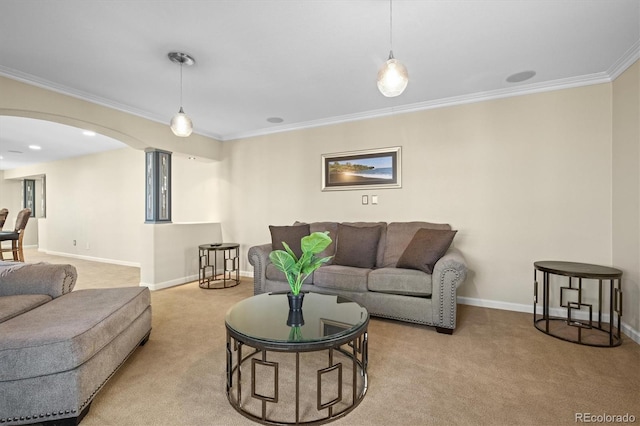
(496, 369)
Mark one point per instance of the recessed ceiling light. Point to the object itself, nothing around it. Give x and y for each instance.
(275, 120)
(35, 147)
(520, 76)
(89, 133)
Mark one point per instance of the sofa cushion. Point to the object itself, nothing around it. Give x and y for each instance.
(7, 266)
(290, 235)
(36, 278)
(341, 277)
(425, 249)
(381, 242)
(11, 306)
(332, 228)
(67, 331)
(399, 235)
(357, 246)
(400, 281)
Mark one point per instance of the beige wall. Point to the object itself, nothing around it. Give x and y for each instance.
(10, 198)
(626, 189)
(522, 179)
(98, 201)
(196, 193)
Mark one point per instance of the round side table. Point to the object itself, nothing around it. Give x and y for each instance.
(322, 359)
(580, 323)
(209, 277)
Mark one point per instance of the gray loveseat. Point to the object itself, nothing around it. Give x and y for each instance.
(417, 294)
(59, 347)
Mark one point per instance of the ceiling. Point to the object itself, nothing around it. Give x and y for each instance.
(309, 63)
(26, 141)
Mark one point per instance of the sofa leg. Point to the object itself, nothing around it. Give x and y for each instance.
(443, 330)
(145, 339)
(69, 421)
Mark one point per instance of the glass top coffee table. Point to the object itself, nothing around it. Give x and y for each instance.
(296, 367)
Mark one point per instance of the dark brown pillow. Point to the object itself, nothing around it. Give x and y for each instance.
(357, 246)
(290, 235)
(425, 249)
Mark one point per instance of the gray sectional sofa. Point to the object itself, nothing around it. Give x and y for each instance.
(59, 347)
(398, 274)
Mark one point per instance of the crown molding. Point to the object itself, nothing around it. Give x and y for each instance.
(69, 91)
(88, 97)
(521, 90)
(628, 59)
(621, 65)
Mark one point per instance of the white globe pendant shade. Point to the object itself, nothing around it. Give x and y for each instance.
(392, 78)
(181, 125)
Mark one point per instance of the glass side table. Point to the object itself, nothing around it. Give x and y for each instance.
(209, 276)
(581, 323)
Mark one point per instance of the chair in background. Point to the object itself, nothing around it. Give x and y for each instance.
(3, 217)
(15, 236)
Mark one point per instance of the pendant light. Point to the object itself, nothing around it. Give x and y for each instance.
(181, 124)
(393, 76)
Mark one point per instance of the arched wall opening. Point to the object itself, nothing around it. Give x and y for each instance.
(95, 206)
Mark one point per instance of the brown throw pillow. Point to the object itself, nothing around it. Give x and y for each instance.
(357, 246)
(290, 235)
(425, 249)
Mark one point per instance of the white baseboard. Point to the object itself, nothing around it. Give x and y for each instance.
(170, 283)
(91, 258)
(559, 312)
(185, 280)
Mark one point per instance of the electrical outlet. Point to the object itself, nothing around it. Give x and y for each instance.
(374, 199)
(74, 243)
(87, 247)
(365, 199)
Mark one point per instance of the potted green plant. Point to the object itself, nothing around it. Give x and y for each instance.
(298, 269)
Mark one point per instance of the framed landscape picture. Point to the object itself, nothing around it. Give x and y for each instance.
(368, 169)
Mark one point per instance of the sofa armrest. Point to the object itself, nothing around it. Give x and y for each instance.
(448, 273)
(259, 259)
(38, 278)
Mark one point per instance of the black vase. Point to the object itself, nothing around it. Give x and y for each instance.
(295, 301)
(295, 318)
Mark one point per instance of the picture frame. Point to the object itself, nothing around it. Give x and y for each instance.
(366, 169)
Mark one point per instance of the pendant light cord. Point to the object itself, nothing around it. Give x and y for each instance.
(181, 85)
(391, 25)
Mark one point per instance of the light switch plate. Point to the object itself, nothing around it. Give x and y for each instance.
(374, 199)
(365, 199)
